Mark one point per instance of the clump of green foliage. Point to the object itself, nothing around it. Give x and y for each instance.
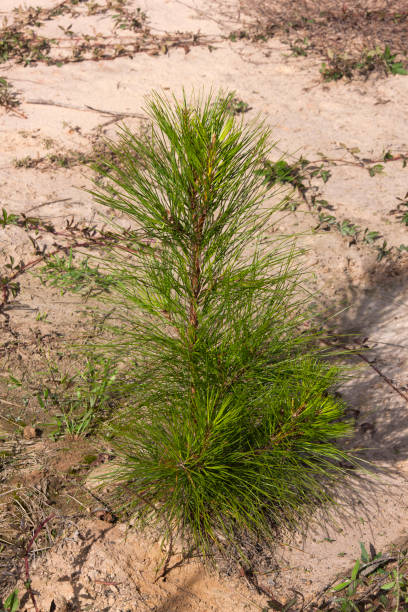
(8, 97)
(230, 423)
(12, 602)
(378, 582)
(342, 65)
(67, 275)
(282, 172)
(401, 211)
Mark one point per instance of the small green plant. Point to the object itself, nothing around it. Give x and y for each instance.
(282, 172)
(238, 106)
(23, 45)
(371, 236)
(41, 316)
(383, 251)
(83, 400)
(395, 67)
(11, 603)
(7, 218)
(230, 420)
(376, 169)
(343, 65)
(329, 220)
(300, 47)
(346, 228)
(337, 67)
(130, 20)
(26, 162)
(8, 97)
(401, 211)
(64, 273)
(377, 583)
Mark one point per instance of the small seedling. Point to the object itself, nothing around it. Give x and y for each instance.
(64, 273)
(395, 67)
(282, 172)
(7, 218)
(383, 251)
(338, 66)
(238, 106)
(26, 162)
(373, 586)
(9, 98)
(343, 65)
(325, 175)
(238, 35)
(376, 169)
(41, 316)
(347, 228)
(83, 400)
(371, 236)
(300, 47)
(401, 211)
(327, 219)
(127, 20)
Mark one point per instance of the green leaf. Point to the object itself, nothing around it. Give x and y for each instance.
(388, 586)
(376, 169)
(356, 569)
(12, 603)
(387, 54)
(398, 68)
(371, 236)
(342, 585)
(325, 175)
(365, 557)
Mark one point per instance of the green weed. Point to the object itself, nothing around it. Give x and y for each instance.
(383, 251)
(401, 211)
(9, 98)
(24, 46)
(283, 172)
(26, 162)
(377, 583)
(238, 106)
(371, 236)
(340, 65)
(130, 20)
(62, 272)
(11, 603)
(376, 169)
(80, 402)
(300, 47)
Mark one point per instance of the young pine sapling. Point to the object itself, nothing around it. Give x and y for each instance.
(230, 423)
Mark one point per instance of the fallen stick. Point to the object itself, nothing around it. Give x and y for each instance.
(85, 108)
(47, 203)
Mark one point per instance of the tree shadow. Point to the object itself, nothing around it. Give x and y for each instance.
(376, 325)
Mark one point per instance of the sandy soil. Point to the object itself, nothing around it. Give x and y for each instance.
(94, 567)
